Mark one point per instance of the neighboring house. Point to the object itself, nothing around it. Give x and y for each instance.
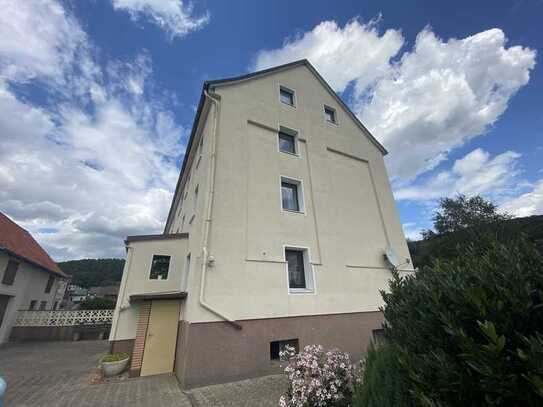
(29, 278)
(77, 294)
(109, 291)
(276, 235)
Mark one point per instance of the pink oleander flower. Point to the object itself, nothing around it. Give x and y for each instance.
(317, 377)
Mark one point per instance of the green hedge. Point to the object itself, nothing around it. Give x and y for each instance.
(383, 380)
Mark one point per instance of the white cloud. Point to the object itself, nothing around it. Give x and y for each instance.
(527, 204)
(39, 40)
(355, 52)
(100, 164)
(475, 173)
(173, 16)
(435, 98)
(412, 231)
(442, 94)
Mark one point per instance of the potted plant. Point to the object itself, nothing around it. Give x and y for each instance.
(114, 363)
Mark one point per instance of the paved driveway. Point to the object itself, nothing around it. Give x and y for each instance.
(51, 374)
(57, 374)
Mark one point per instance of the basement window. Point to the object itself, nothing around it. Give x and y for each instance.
(32, 306)
(43, 305)
(160, 266)
(278, 346)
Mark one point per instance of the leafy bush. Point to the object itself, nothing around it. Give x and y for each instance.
(97, 303)
(384, 381)
(469, 330)
(317, 378)
(115, 357)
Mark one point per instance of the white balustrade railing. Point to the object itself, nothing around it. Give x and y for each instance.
(64, 318)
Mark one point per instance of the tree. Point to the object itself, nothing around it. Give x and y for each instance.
(469, 330)
(457, 222)
(461, 212)
(97, 303)
(94, 272)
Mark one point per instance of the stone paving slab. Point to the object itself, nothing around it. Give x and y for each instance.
(55, 374)
(259, 392)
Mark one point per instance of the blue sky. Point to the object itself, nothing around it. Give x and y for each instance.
(97, 99)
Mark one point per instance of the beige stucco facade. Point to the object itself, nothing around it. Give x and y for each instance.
(228, 201)
(29, 285)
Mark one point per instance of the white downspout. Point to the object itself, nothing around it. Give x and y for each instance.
(207, 220)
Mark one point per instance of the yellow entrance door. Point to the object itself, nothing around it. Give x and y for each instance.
(159, 351)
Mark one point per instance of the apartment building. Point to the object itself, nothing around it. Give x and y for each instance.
(276, 235)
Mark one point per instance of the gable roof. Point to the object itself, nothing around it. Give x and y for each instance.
(17, 242)
(209, 85)
(301, 62)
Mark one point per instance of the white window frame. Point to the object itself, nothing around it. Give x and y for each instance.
(311, 286)
(288, 89)
(291, 132)
(324, 107)
(151, 266)
(300, 189)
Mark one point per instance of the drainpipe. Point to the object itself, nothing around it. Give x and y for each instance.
(215, 100)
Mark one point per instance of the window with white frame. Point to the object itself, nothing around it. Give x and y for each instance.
(300, 276)
(292, 198)
(287, 141)
(160, 267)
(330, 114)
(287, 96)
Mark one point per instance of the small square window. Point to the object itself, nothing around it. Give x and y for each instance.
(32, 306)
(43, 305)
(160, 267)
(10, 272)
(286, 96)
(330, 114)
(287, 143)
(289, 196)
(378, 335)
(278, 346)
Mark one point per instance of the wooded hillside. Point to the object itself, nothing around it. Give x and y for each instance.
(423, 251)
(94, 272)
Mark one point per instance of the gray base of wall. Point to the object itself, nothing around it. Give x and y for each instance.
(216, 352)
(58, 333)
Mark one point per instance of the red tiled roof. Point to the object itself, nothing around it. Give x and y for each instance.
(18, 242)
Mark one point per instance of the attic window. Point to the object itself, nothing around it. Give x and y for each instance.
(286, 95)
(330, 114)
